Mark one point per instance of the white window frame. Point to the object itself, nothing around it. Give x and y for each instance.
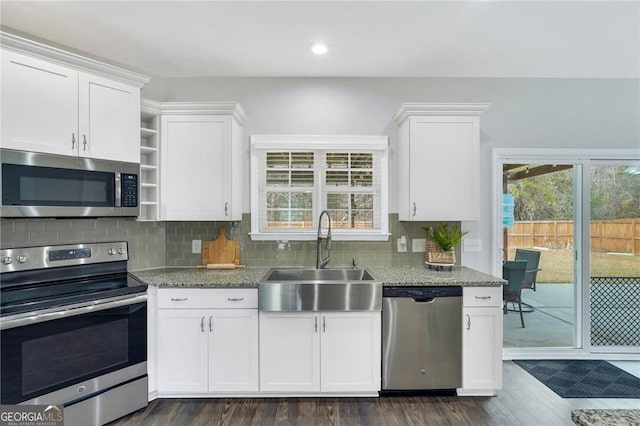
(378, 144)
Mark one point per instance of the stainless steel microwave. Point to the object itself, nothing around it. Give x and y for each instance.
(47, 185)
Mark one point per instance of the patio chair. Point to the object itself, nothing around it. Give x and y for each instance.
(532, 257)
(513, 271)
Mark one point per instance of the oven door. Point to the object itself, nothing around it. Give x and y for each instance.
(43, 357)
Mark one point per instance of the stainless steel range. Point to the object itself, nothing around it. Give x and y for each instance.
(73, 325)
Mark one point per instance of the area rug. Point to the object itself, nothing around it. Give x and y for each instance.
(583, 378)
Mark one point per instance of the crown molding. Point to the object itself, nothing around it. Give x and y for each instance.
(196, 108)
(53, 54)
(437, 109)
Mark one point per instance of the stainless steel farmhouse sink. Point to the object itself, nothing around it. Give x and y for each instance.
(337, 289)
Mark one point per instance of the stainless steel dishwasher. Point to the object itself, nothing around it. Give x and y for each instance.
(421, 338)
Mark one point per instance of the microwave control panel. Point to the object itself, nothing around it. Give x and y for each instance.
(129, 193)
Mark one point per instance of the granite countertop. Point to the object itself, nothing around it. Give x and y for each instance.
(250, 276)
(605, 417)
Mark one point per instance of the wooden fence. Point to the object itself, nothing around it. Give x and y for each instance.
(618, 236)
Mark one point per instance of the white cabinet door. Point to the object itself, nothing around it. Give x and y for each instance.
(439, 154)
(289, 352)
(196, 177)
(233, 350)
(109, 119)
(182, 360)
(482, 348)
(436, 144)
(350, 351)
(39, 105)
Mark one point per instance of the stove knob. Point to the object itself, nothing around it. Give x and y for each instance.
(111, 252)
(121, 250)
(7, 260)
(22, 258)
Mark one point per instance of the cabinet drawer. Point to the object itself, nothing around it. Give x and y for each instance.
(482, 296)
(194, 298)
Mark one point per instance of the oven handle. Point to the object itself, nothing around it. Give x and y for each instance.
(8, 322)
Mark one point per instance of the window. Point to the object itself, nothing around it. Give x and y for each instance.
(295, 178)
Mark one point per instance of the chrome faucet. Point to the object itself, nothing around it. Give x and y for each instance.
(320, 262)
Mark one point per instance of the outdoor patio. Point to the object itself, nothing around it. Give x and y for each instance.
(615, 315)
(551, 322)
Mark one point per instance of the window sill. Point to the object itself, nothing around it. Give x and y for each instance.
(312, 236)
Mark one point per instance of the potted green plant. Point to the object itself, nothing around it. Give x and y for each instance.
(446, 239)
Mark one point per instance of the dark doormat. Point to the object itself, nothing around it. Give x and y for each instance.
(583, 378)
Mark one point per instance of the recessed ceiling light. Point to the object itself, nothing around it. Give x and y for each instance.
(319, 48)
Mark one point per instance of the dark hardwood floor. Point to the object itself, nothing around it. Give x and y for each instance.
(522, 401)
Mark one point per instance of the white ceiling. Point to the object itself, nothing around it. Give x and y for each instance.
(572, 39)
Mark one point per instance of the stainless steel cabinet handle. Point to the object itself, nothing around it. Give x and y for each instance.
(324, 324)
(73, 140)
(415, 209)
(178, 299)
(235, 299)
(468, 322)
(226, 209)
(84, 142)
(202, 324)
(483, 297)
(315, 324)
(211, 324)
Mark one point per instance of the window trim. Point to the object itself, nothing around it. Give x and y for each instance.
(379, 144)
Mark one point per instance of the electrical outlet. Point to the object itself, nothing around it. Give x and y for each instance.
(402, 244)
(471, 244)
(196, 246)
(419, 245)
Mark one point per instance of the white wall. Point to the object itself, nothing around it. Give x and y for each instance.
(541, 113)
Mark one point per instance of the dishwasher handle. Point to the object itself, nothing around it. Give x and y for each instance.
(424, 299)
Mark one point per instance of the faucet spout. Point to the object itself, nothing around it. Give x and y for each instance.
(320, 261)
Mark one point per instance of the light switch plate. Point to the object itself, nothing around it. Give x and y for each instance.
(196, 246)
(471, 244)
(418, 245)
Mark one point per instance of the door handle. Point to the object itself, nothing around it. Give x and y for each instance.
(315, 323)
(468, 322)
(73, 141)
(202, 324)
(84, 142)
(415, 209)
(226, 209)
(324, 324)
(211, 324)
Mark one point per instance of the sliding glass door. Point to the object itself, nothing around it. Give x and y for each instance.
(614, 249)
(577, 214)
(540, 208)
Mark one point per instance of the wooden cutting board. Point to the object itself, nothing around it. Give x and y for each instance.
(221, 250)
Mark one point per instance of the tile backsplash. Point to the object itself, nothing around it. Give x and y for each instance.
(294, 253)
(157, 244)
(146, 239)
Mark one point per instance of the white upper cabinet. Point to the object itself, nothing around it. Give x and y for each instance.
(109, 119)
(439, 157)
(60, 103)
(39, 105)
(201, 161)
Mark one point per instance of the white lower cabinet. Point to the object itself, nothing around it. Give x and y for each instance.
(320, 352)
(481, 340)
(207, 350)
